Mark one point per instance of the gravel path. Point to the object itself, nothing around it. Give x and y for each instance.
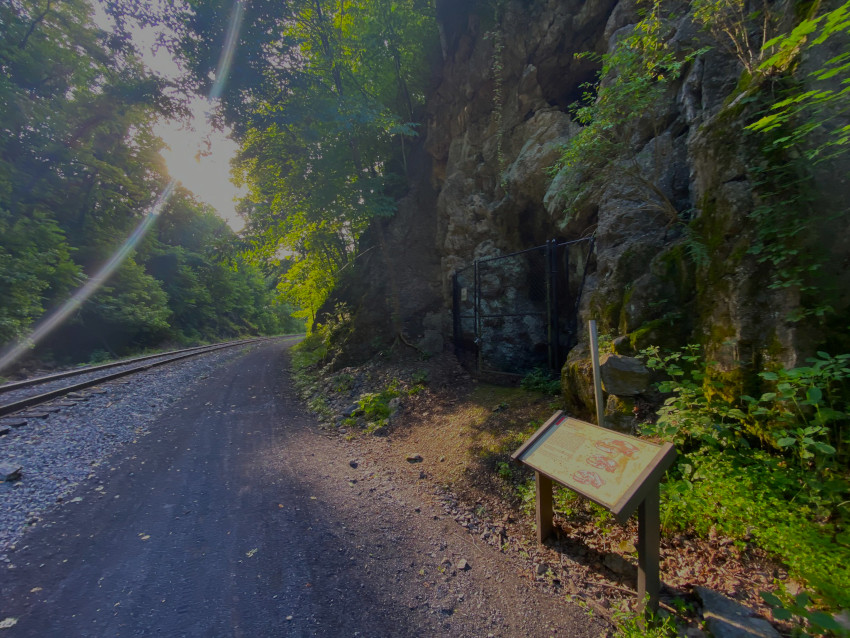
(58, 451)
(237, 516)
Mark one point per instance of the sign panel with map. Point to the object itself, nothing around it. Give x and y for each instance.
(609, 468)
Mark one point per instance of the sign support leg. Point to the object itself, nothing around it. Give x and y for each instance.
(543, 507)
(649, 551)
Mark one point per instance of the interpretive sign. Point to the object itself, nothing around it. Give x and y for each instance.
(617, 471)
(605, 466)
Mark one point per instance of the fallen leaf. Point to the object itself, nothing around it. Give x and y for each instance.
(280, 505)
(313, 498)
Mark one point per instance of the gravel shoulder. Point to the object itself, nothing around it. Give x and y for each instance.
(220, 508)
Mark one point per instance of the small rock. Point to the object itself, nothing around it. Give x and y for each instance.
(462, 565)
(422, 475)
(541, 569)
(414, 458)
(353, 463)
(4, 431)
(694, 632)
(618, 564)
(10, 472)
(36, 415)
(442, 459)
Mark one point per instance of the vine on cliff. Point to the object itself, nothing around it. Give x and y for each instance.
(631, 90)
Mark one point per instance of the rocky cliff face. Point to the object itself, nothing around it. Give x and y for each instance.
(497, 120)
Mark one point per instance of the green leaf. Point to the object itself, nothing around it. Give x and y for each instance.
(824, 620)
(768, 376)
(824, 448)
(786, 441)
(780, 613)
(770, 598)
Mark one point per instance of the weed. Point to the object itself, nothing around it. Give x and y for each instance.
(504, 470)
(799, 610)
(636, 625)
(343, 383)
(375, 406)
(771, 469)
(541, 380)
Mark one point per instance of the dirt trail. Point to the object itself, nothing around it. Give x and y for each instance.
(236, 516)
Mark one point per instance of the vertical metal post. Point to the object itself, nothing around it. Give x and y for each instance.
(456, 327)
(477, 311)
(552, 304)
(543, 506)
(649, 552)
(597, 376)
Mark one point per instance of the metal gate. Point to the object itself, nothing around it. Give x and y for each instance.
(517, 312)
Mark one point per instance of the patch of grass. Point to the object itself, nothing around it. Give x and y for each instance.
(320, 406)
(756, 498)
(633, 625)
(771, 469)
(541, 380)
(374, 407)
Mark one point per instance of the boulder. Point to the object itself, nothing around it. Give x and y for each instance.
(624, 376)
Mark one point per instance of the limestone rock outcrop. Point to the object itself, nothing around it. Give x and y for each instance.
(497, 118)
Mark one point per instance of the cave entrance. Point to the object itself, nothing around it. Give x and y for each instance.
(516, 313)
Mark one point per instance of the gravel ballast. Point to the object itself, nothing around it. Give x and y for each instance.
(58, 451)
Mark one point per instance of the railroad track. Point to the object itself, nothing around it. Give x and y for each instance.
(22, 395)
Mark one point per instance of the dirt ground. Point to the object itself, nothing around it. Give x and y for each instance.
(464, 431)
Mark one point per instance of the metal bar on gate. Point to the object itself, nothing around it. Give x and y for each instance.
(547, 269)
(519, 252)
(515, 314)
(456, 328)
(575, 241)
(554, 331)
(477, 311)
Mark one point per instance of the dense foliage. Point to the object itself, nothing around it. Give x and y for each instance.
(764, 451)
(79, 168)
(324, 98)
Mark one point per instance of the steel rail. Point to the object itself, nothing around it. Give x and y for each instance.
(25, 383)
(34, 400)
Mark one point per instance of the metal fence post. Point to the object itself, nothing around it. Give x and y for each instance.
(552, 304)
(477, 310)
(456, 327)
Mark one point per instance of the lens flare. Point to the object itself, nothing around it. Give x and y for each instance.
(226, 57)
(47, 324)
(54, 319)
